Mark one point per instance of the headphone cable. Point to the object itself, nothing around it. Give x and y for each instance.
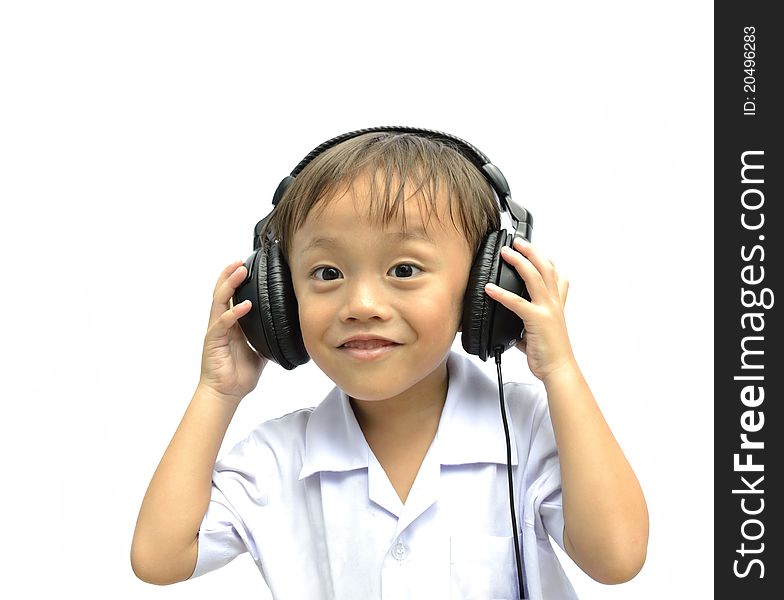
(498, 352)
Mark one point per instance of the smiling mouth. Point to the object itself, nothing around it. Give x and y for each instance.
(367, 344)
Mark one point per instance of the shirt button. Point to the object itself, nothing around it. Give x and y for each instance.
(400, 551)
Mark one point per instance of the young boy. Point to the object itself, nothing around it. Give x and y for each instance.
(395, 485)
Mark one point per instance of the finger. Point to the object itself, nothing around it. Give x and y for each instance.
(226, 274)
(514, 302)
(224, 292)
(563, 289)
(537, 289)
(562, 284)
(522, 345)
(226, 320)
(544, 266)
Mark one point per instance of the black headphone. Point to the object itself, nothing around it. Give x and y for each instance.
(272, 325)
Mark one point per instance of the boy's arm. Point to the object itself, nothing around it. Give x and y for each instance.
(165, 544)
(605, 515)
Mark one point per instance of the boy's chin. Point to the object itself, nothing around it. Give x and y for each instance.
(363, 392)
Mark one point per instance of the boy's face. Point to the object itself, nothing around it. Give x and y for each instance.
(362, 278)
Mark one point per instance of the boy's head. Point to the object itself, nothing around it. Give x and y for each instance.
(379, 233)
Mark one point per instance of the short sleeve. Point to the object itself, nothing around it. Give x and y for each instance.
(543, 504)
(551, 506)
(234, 498)
(219, 540)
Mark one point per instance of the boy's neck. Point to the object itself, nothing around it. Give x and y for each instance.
(410, 414)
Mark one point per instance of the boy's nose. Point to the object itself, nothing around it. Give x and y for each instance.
(365, 300)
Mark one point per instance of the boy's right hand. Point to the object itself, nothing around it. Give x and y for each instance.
(230, 367)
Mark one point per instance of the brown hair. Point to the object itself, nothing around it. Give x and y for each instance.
(396, 160)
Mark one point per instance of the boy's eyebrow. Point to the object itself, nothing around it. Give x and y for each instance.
(400, 236)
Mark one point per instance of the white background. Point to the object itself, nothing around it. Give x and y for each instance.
(141, 141)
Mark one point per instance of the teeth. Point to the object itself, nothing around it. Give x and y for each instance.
(366, 344)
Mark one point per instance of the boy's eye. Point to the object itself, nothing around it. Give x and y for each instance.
(329, 273)
(405, 270)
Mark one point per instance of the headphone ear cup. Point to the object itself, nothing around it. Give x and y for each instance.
(282, 316)
(477, 306)
(253, 322)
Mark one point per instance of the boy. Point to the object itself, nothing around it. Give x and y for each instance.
(395, 485)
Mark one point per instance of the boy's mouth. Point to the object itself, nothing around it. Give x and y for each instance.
(367, 349)
(368, 344)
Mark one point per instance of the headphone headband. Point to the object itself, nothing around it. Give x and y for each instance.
(522, 219)
(468, 150)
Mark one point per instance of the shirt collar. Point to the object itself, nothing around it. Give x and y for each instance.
(470, 429)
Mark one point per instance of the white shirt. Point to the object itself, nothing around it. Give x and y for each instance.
(306, 496)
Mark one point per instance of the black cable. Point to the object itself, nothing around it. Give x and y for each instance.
(498, 352)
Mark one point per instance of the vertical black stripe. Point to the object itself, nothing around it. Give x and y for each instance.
(748, 302)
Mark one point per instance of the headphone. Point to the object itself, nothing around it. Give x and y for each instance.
(488, 328)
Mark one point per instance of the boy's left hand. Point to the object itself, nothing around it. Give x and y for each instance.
(546, 342)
